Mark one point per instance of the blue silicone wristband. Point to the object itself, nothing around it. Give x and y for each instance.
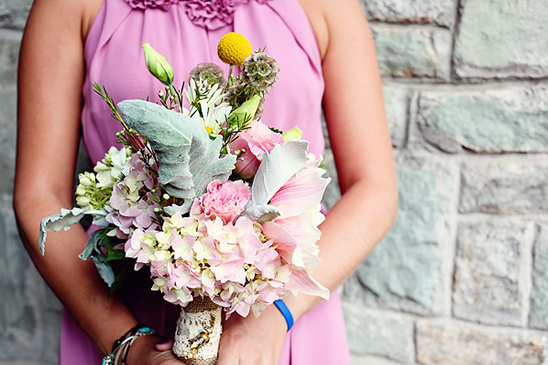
(285, 312)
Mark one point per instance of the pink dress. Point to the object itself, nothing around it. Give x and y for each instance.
(187, 33)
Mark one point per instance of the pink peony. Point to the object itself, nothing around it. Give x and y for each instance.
(255, 141)
(226, 200)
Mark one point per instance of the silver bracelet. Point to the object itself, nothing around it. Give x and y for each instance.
(120, 348)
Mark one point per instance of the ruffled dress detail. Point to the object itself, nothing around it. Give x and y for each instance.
(143, 4)
(210, 14)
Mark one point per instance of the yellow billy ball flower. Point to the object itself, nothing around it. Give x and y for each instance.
(233, 49)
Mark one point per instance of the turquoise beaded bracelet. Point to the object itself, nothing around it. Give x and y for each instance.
(120, 348)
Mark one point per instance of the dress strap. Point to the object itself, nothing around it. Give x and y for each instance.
(109, 17)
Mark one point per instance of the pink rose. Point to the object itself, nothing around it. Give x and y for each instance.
(255, 141)
(226, 200)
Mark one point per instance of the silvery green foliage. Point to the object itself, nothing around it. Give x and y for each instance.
(276, 168)
(65, 219)
(189, 159)
(94, 252)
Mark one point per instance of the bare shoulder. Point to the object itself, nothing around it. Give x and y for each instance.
(316, 16)
(72, 15)
(91, 8)
(331, 19)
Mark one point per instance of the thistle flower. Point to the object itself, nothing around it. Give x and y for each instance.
(238, 94)
(210, 73)
(260, 71)
(233, 49)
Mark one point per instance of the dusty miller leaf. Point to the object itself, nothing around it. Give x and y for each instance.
(94, 252)
(64, 220)
(189, 159)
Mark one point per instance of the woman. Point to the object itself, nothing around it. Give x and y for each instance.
(69, 43)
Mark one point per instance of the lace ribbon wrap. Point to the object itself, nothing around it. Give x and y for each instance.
(210, 14)
(198, 333)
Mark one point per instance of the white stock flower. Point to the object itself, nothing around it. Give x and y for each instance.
(115, 165)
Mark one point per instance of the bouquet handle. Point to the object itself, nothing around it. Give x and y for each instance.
(198, 332)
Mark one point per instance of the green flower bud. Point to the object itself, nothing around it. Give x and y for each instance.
(81, 190)
(244, 114)
(294, 134)
(86, 179)
(83, 202)
(157, 65)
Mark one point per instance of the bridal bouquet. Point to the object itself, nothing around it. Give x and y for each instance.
(222, 209)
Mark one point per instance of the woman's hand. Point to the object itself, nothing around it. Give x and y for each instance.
(245, 341)
(150, 350)
(253, 341)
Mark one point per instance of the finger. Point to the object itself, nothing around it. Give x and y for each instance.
(165, 345)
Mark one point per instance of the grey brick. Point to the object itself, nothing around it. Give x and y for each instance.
(508, 119)
(505, 185)
(407, 270)
(492, 271)
(446, 342)
(408, 52)
(441, 12)
(503, 38)
(380, 333)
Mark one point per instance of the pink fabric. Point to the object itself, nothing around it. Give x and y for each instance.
(114, 58)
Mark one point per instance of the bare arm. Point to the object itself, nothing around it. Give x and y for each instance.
(361, 144)
(51, 75)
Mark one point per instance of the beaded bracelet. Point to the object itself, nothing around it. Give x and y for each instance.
(280, 304)
(120, 348)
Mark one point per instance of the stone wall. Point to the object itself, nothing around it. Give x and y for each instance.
(462, 276)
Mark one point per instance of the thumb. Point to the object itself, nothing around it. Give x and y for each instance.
(164, 345)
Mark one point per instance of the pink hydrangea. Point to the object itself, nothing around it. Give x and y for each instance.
(230, 263)
(132, 205)
(255, 141)
(226, 199)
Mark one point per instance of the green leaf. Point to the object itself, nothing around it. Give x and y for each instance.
(112, 253)
(120, 276)
(189, 159)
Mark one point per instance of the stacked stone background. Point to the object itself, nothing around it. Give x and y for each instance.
(462, 278)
